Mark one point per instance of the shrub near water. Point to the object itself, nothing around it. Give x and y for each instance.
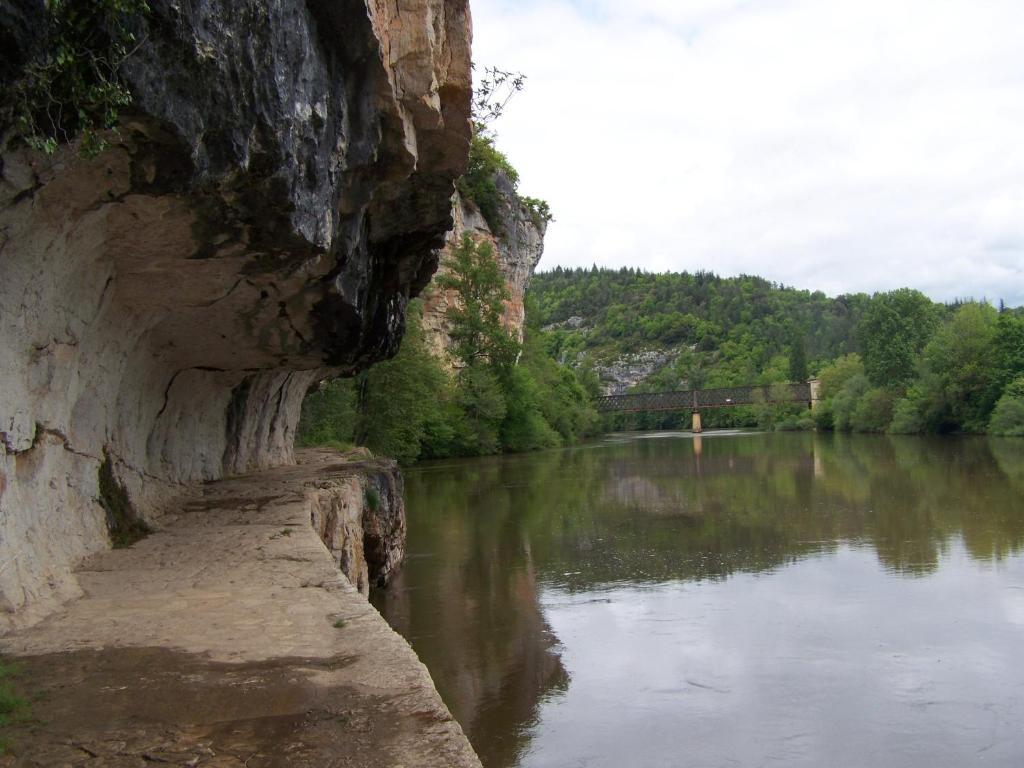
(873, 412)
(1008, 416)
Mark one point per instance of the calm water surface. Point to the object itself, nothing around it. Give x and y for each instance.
(735, 600)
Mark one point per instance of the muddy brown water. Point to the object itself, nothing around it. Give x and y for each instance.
(736, 600)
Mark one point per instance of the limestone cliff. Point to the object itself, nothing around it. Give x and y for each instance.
(275, 195)
(518, 247)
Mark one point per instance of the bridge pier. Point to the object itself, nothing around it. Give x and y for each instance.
(815, 385)
(696, 423)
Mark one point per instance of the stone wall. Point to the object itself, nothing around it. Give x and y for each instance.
(270, 203)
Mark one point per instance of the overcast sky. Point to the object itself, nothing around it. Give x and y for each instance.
(841, 145)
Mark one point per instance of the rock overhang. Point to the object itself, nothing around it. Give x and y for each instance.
(270, 202)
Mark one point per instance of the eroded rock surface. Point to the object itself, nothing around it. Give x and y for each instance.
(273, 199)
(230, 638)
(357, 509)
(620, 375)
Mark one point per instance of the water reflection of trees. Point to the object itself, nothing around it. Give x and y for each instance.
(468, 601)
(496, 530)
(656, 511)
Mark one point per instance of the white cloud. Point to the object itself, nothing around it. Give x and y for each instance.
(849, 145)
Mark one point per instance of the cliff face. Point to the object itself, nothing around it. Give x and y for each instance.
(518, 247)
(276, 194)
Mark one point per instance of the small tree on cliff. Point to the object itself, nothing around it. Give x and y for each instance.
(476, 330)
(479, 184)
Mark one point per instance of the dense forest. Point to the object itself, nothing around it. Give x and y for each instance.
(893, 361)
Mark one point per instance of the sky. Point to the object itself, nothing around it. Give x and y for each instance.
(834, 145)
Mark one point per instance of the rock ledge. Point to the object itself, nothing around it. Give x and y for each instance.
(229, 638)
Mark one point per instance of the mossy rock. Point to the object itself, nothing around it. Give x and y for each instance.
(123, 521)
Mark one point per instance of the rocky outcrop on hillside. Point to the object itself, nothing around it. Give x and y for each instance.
(625, 372)
(518, 247)
(275, 195)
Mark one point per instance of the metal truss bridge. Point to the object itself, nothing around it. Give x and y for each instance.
(697, 400)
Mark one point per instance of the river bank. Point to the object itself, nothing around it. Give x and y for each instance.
(230, 637)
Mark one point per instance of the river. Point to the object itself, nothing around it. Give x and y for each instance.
(734, 599)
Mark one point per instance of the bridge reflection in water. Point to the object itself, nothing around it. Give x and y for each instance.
(697, 399)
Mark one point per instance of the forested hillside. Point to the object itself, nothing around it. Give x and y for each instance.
(625, 310)
(893, 361)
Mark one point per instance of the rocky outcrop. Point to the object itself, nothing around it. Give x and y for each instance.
(620, 375)
(518, 247)
(273, 198)
(358, 511)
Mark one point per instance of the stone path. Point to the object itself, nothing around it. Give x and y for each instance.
(227, 639)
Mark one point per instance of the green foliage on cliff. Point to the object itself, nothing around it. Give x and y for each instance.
(492, 92)
(538, 209)
(480, 183)
(75, 87)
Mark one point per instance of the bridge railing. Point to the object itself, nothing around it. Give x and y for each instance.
(690, 399)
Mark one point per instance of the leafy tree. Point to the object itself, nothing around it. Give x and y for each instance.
(476, 328)
(798, 361)
(823, 417)
(1008, 416)
(874, 411)
(893, 330)
(834, 375)
(482, 410)
(906, 418)
(959, 360)
(329, 415)
(401, 399)
(524, 427)
(845, 403)
(692, 367)
(1007, 349)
